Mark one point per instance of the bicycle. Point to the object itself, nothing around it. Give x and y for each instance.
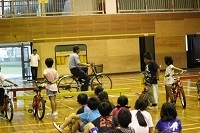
(38, 104)
(177, 90)
(71, 83)
(8, 108)
(144, 94)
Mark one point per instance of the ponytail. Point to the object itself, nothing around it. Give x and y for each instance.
(141, 119)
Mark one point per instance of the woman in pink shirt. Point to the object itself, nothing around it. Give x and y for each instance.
(51, 76)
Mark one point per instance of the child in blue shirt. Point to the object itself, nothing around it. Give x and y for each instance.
(169, 122)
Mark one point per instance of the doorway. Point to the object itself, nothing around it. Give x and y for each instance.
(192, 50)
(14, 60)
(146, 45)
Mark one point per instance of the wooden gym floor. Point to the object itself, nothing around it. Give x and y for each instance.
(25, 122)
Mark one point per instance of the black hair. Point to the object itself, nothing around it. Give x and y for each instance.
(98, 89)
(105, 108)
(49, 62)
(124, 117)
(147, 55)
(93, 103)
(122, 101)
(168, 112)
(35, 50)
(168, 60)
(82, 98)
(103, 96)
(75, 48)
(140, 105)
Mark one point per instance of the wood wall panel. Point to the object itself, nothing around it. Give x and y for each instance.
(108, 31)
(163, 16)
(192, 25)
(113, 53)
(171, 46)
(169, 28)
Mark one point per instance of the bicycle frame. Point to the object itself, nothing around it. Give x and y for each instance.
(38, 103)
(38, 96)
(176, 87)
(6, 99)
(8, 104)
(177, 91)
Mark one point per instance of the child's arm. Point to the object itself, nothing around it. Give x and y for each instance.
(176, 68)
(157, 74)
(54, 81)
(11, 82)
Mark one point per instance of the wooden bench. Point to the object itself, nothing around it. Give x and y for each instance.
(14, 90)
(26, 98)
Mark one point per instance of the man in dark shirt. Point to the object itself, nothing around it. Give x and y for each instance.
(152, 72)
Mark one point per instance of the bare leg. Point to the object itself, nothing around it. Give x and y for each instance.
(67, 121)
(169, 91)
(76, 126)
(53, 104)
(167, 95)
(88, 127)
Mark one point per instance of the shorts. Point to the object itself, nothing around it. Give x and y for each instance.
(51, 93)
(94, 130)
(2, 91)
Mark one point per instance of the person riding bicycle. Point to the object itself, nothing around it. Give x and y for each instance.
(79, 69)
(2, 91)
(152, 72)
(169, 79)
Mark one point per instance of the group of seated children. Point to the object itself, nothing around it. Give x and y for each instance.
(97, 115)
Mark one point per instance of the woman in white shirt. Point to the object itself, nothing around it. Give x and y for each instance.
(141, 119)
(169, 79)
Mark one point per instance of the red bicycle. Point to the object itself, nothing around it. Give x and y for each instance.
(8, 109)
(177, 90)
(38, 104)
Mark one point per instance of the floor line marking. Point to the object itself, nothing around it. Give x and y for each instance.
(190, 124)
(185, 129)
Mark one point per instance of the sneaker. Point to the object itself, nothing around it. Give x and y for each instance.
(57, 127)
(152, 107)
(49, 114)
(55, 113)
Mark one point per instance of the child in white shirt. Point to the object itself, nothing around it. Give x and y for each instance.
(51, 76)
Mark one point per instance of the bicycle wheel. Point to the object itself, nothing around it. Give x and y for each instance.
(68, 83)
(198, 89)
(41, 109)
(9, 110)
(174, 94)
(101, 79)
(34, 106)
(182, 97)
(144, 95)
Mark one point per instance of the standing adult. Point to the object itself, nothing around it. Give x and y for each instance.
(152, 72)
(34, 60)
(79, 69)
